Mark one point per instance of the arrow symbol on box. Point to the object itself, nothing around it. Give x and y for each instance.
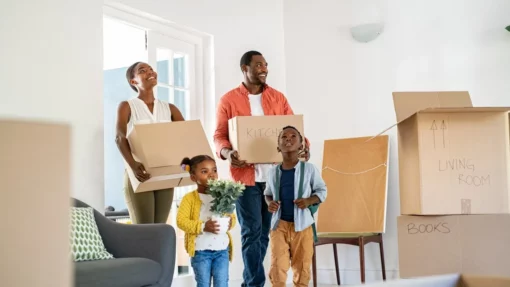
(434, 128)
(443, 127)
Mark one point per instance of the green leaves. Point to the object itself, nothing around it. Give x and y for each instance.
(224, 193)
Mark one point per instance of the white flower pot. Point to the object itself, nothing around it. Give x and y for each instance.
(223, 221)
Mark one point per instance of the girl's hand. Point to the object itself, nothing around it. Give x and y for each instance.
(212, 226)
(273, 206)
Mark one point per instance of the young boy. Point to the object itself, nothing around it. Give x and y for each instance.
(291, 224)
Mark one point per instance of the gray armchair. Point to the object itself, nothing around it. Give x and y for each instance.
(144, 255)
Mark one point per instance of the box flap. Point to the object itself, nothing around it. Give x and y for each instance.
(165, 144)
(408, 103)
(467, 110)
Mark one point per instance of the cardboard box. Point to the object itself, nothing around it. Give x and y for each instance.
(450, 280)
(453, 158)
(36, 185)
(357, 171)
(471, 244)
(161, 147)
(256, 137)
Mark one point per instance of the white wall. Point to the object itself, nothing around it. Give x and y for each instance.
(237, 27)
(426, 45)
(51, 57)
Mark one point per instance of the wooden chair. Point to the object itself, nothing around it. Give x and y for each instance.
(351, 239)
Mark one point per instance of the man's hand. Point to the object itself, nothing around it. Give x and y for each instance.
(140, 173)
(273, 206)
(235, 161)
(305, 153)
(212, 226)
(303, 202)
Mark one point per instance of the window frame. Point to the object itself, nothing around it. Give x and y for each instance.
(205, 100)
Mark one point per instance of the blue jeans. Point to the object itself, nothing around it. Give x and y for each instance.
(207, 264)
(255, 221)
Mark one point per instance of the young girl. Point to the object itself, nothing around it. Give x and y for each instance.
(291, 224)
(210, 251)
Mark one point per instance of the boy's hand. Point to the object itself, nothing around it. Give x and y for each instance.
(302, 202)
(273, 206)
(212, 226)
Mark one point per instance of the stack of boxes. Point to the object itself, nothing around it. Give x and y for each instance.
(454, 165)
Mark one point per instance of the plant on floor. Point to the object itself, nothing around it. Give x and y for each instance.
(224, 194)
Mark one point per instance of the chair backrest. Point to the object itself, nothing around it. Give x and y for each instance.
(98, 216)
(78, 203)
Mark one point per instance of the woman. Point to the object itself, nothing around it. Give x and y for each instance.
(150, 206)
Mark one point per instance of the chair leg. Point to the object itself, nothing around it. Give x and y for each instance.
(335, 253)
(362, 258)
(314, 267)
(383, 266)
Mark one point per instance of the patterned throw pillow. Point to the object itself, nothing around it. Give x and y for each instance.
(86, 242)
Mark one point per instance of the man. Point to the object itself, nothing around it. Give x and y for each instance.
(253, 97)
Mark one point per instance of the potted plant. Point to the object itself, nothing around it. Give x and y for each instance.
(224, 194)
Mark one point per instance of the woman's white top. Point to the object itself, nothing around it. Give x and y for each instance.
(140, 113)
(207, 240)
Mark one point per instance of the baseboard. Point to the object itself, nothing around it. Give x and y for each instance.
(347, 277)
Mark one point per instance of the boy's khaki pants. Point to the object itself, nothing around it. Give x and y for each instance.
(291, 248)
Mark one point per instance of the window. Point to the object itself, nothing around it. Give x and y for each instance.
(174, 61)
(178, 57)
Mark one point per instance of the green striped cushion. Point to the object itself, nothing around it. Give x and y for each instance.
(86, 242)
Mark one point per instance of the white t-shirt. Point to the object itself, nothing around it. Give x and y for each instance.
(207, 240)
(261, 169)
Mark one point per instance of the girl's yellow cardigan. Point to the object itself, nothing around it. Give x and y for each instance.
(188, 220)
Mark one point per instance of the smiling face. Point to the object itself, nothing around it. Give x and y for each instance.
(204, 171)
(256, 72)
(144, 77)
(290, 141)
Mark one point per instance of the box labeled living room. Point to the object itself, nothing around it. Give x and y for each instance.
(453, 158)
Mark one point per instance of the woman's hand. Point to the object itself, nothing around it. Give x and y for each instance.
(140, 173)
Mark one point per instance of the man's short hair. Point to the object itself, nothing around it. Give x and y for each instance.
(246, 58)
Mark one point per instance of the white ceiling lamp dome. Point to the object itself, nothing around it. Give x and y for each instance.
(367, 32)
(367, 20)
